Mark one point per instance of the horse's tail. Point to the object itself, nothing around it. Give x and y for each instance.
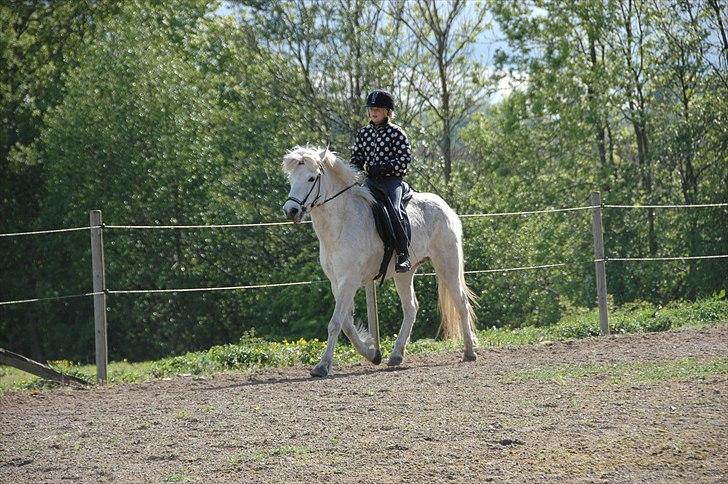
(450, 298)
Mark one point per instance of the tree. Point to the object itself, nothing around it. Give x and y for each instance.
(441, 73)
(337, 51)
(160, 124)
(37, 40)
(622, 90)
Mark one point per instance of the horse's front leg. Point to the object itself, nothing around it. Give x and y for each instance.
(344, 305)
(362, 340)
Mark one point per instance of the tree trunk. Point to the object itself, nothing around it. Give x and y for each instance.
(446, 120)
(597, 121)
(689, 185)
(718, 10)
(638, 115)
(646, 173)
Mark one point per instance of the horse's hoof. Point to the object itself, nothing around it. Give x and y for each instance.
(319, 371)
(395, 360)
(377, 357)
(470, 356)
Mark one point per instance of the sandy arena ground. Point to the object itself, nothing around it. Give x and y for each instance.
(434, 419)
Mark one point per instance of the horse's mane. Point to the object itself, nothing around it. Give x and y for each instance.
(327, 162)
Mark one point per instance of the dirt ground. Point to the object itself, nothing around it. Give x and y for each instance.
(434, 419)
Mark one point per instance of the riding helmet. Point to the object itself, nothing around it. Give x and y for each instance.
(380, 99)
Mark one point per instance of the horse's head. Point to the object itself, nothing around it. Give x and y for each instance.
(304, 167)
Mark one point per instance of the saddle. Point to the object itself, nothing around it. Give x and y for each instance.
(394, 235)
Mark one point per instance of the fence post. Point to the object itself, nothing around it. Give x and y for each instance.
(599, 262)
(372, 311)
(99, 285)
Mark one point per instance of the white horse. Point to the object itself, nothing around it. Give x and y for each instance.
(351, 251)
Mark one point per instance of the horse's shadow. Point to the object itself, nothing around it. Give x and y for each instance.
(254, 380)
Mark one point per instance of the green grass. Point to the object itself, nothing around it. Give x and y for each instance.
(631, 373)
(181, 476)
(288, 450)
(252, 353)
(117, 372)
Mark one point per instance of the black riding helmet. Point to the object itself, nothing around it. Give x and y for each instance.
(380, 99)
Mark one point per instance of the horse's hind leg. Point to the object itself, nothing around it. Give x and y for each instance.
(454, 297)
(404, 283)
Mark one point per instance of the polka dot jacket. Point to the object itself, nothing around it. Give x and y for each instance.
(384, 150)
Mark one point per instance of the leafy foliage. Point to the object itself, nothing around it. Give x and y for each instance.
(168, 114)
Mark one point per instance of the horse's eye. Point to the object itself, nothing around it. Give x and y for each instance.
(300, 163)
(311, 179)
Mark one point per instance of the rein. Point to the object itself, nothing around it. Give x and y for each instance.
(339, 193)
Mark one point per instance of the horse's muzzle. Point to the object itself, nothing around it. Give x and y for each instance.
(292, 212)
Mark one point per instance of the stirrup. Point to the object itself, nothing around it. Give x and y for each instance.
(402, 264)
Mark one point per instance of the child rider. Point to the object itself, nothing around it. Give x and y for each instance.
(383, 150)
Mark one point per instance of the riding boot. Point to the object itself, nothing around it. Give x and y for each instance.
(401, 244)
(403, 263)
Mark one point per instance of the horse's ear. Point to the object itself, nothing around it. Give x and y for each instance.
(290, 160)
(325, 156)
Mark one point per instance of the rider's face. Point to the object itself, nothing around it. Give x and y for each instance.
(377, 115)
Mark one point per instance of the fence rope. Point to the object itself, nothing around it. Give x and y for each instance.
(511, 269)
(213, 226)
(260, 286)
(271, 224)
(52, 298)
(694, 257)
(701, 205)
(209, 289)
(502, 214)
(53, 231)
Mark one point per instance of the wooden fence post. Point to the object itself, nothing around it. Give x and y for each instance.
(599, 262)
(372, 311)
(99, 286)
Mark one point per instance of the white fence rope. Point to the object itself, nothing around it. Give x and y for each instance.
(202, 289)
(285, 284)
(701, 205)
(502, 214)
(510, 269)
(302, 283)
(694, 257)
(52, 298)
(271, 224)
(214, 226)
(53, 231)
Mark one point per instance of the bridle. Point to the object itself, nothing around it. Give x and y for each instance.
(302, 203)
(317, 185)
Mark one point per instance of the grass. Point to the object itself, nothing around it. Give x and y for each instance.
(180, 476)
(631, 373)
(252, 353)
(288, 450)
